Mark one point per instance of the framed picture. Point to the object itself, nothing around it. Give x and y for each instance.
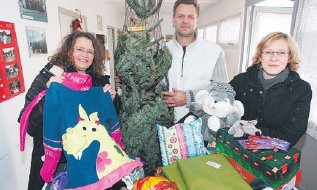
(5, 36)
(36, 41)
(12, 70)
(33, 10)
(11, 74)
(99, 22)
(66, 20)
(8, 54)
(15, 86)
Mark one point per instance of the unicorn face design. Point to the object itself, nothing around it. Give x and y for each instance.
(110, 159)
(78, 138)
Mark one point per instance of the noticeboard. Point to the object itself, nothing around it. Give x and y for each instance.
(11, 76)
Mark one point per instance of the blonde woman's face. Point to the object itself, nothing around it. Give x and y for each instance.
(83, 54)
(274, 58)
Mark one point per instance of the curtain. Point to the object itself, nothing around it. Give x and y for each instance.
(229, 31)
(305, 33)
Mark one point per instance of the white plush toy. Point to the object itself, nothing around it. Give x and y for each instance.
(217, 107)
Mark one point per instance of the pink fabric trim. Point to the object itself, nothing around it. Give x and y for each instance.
(73, 80)
(182, 140)
(116, 136)
(26, 116)
(114, 176)
(52, 156)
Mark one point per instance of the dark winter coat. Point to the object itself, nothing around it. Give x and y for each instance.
(282, 111)
(35, 125)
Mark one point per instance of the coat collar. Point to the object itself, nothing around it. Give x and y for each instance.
(193, 44)
(253, 70)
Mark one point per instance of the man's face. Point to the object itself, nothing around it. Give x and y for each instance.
(185, 20)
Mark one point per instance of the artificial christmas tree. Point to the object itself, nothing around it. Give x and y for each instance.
(142, 63)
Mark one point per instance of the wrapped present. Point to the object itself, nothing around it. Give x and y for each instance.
(280, 163)
(172, 174)
(154, 183)
(264, 142)
(220, 137)
(246, 158)
(232, 147)
(295, 156)
(258, 160)
(272, 166)
(211, 171)
(293, 179)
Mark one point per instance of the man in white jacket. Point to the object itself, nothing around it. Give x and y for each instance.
(195, 61)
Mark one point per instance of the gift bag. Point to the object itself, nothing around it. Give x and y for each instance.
(59, 181)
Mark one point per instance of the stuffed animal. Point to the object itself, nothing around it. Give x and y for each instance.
(241, 128)
(217, 108)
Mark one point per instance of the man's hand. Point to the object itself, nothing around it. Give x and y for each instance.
(112, 92)
(175, 98)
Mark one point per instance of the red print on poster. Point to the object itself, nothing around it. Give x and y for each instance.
(11, 76)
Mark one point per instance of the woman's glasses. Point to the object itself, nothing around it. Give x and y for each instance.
(82, 50)
(269, 53)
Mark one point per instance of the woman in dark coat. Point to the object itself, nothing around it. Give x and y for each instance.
(80, 52)
(272, 92)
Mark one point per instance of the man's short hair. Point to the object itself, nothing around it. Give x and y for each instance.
(187, 2)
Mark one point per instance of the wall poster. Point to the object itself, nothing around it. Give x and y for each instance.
(36, 41)
(11, 76)
(33, 10)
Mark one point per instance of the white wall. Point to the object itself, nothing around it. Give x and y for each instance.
(14, 165)
(167, 25)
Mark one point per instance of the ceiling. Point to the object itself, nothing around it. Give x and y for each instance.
(167, 6)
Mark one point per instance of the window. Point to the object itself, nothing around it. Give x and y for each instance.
(201, 32)
(229, 31)
(268, 20)
(306, 36)
(211, 33)
(262, 19)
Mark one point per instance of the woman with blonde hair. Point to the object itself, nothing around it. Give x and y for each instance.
(271, 90)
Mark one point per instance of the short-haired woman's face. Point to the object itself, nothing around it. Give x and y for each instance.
(83, 54)
(274, 58)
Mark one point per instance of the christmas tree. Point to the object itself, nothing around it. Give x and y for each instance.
(142, 63)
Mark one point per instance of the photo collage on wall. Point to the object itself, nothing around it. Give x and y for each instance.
(11, 76)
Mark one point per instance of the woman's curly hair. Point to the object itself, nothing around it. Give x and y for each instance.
(63, 57)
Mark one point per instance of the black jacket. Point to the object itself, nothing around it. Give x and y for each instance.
(282, 111)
